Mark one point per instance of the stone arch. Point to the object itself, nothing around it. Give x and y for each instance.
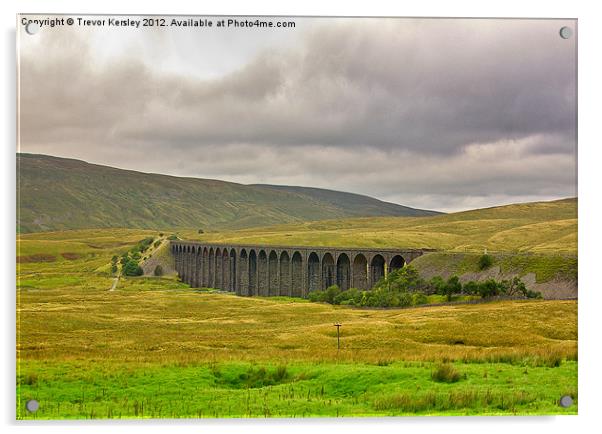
(328, 271)
(273, 288)
(243, 285)
(225, 270)
(233, 275)
(211, 277)
(252, 273)
(360, 272)
(205, 267)
(198, 268)
(297, 275)
(343, 272)
(191, 258)
(285, 274)
(177, 258)
(218, 269)
(313, 272)
(262, 273)
(396, 263)
(377, 269)
(185, 264)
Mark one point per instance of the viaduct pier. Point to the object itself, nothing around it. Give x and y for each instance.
(284, 270)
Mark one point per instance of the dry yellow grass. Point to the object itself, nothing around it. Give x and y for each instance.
(544, 227)
(181, 326)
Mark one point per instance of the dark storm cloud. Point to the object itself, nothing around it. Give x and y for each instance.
(391, 108)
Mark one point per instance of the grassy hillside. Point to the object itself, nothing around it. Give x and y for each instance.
(368, 205)
(539, 227)
(57, 193)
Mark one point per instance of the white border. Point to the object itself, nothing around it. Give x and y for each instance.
(590, 71)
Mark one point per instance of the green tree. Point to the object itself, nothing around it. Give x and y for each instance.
(437, 285)
(489, 288)
(485, 261)
(403, 279)
(452, 286)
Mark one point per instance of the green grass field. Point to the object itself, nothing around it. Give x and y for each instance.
(156, 348)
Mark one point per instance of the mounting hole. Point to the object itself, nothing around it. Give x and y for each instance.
(32, 405)
(32, 28)
(566, 401)
(566, 32)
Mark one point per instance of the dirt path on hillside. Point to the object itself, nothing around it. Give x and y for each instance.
(115, 282)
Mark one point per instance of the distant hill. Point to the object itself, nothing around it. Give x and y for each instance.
(357, 204)
(60, 193)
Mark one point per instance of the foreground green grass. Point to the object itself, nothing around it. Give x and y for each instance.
(127, 390)
(156, 348)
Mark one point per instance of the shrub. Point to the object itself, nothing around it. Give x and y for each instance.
(172, 237)
(131, 268)
(316, 296)
(471, 288)
(200, 231)
(419, 298)
(326, 296)
(485, 261)
(144, 244)
(533, 294)
(157, 243)
(331, 292)
(445, 373)
(158, 271)
(405, 299)
(114, 268)
(114, 259)
(352, 296)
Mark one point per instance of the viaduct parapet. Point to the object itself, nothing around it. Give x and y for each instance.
(284, 270)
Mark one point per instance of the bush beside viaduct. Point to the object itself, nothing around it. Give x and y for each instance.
(284, 270)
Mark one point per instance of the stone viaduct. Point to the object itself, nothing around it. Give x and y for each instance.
(283, 270)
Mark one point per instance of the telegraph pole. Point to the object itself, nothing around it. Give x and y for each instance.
(338, 326)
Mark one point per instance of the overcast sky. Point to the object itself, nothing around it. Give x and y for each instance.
(437, 114)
